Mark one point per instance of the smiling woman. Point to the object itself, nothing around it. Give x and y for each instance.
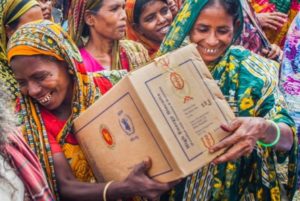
(148, 22)
(263, 133)
(98, 28)
(55, 90)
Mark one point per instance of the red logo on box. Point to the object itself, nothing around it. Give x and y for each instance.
(106, 135)
(177, 80)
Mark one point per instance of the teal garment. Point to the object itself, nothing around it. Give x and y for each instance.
(249, 83)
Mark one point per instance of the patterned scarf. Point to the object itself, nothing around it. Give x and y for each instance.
(47, 38)
(134, 35)
(249, 83)
(290, 7)
(28, 168)
(10, 11)
(126, 54)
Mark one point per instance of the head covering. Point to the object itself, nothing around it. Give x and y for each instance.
(76, 18)
(240, 75)
(10, 11)
(184, 22)
(131, 34)
(47, 38)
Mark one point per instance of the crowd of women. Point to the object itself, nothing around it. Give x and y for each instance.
(58, 58)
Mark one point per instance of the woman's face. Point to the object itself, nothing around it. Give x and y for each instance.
(46, 6)
(212, 32)
(173, 7)
(47, 82)
(155, 21)
(110, 20)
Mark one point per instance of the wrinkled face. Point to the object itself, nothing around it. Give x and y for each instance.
(110, 20)
(155, 21)
(47, 82)
(46, 6)
(212, 32)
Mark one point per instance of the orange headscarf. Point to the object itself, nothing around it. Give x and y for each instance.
(132, 34)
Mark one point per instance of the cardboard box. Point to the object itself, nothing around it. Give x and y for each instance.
(170, 110)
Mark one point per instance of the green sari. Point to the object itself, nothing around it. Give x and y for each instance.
(249, 83)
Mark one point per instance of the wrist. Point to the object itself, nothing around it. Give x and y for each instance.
(271, 136)
(119, 190)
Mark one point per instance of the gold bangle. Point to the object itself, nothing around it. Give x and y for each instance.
(105, 189)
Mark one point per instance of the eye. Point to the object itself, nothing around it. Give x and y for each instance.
(202, 29)
(164, 10)
(22, 83)
(223, 30)
(40, 77)
(114, 8)
(150, 18)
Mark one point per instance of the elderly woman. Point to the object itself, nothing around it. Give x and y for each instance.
(13, 14)
(148, 22)
(97, 27)
(21, 174)
(263, 134)
(56, 89)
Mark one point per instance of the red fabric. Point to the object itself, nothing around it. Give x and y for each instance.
(28, 168)
(53, 127)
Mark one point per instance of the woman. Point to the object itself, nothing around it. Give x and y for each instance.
(249, 165)
(173, 7)
(21, 174)
(98, 27)
(148, 22)
(276, 17)
(13, 14)
(56, 89)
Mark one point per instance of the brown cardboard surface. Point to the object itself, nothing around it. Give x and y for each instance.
(170, 110)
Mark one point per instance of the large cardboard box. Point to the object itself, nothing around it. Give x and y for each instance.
(170, 110)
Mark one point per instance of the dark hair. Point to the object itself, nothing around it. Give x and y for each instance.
(139, 8)
(93, 10)
(232, 7)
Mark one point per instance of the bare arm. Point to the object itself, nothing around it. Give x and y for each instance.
(137, 183)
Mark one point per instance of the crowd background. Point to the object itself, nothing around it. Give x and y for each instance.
(57, 57)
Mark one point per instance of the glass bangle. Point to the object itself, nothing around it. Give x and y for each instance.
(276, 139)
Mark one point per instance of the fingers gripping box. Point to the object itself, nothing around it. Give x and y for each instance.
(170, 110)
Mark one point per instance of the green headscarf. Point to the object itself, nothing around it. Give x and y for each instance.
(184, 22)
(10, 11)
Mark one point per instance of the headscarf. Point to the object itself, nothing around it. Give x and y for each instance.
(125, 54)
(47, 38)
(131, 34)
(236, 72)
(183, 23)
(10, 11)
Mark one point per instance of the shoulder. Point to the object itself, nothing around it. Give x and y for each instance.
(132, 46)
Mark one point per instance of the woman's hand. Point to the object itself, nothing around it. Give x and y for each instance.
(139, 183)
(274, 53)
(272, 20)
(245, 132)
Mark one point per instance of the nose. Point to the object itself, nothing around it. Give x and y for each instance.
(161, 19)
(123, 15)
(33, 89)
(212, 39)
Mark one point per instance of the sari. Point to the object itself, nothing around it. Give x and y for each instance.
(252, 38)
(131, 34)
(289, 7)
(249, 84)
(10, 11)
(48, 38)
(126, 54)
(28, 168)
(290, 74)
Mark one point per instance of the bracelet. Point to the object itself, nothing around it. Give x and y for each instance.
(278, 133)
(105, 189)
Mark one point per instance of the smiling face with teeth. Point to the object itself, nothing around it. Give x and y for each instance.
(44, 79)
(154, 21)
(213, 32)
